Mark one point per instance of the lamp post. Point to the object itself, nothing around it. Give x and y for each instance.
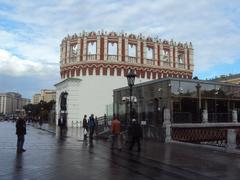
(131, 79)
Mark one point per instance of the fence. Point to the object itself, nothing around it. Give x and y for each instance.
(211, 133)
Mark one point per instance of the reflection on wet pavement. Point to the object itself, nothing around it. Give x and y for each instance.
(65, 155)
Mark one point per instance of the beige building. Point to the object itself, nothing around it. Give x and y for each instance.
(12, 102)
(36, 98)
(46, 95)
(232, 78)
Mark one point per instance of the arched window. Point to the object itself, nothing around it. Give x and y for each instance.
(92, 48)
(181, 58)
(74, 50)
(132, 50)
(149, 54)
(165, 55)
(112, 48)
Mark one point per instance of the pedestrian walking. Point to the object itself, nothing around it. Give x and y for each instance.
(20, 131)
(61, 125)
(135, 132)
(96, 125)
(91, 126)
(116, 129)
(85, 126)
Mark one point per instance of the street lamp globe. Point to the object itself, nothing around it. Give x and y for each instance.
(131, 77)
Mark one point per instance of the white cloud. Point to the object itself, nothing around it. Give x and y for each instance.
(14, 66)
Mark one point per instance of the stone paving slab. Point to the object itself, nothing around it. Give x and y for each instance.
(50, 156)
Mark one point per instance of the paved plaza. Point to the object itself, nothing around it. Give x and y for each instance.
(51, 156)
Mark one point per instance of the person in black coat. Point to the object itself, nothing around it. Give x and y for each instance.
(135, 132)
(20, 131)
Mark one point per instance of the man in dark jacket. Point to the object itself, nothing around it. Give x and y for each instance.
(20, 131)
(135, 132)
(91, 126)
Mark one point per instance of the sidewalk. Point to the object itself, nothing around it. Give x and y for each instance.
(209, 162)
(52, 156)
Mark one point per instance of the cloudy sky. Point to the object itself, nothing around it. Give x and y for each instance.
(31, 31)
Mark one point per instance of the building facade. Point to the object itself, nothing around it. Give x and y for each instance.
(46, 95)
(36, 98)
(232, 78)
(11, 103)
(93, 64)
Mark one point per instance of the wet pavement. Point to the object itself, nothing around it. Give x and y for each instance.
(51, 156)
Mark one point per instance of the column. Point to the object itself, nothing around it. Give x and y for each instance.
(176, 57)
(167, 124)
(68, 52)
(205, 116)
(138, 51)
(231, 139)
(190, 56)
(155, 53)
(185, 58)
(161, 54)
(234, 116)
(126, 49)
(98, 47)
(105, 48)
(79, 45)
(171, 56)
(119, 48)
(84, 48)
(144, 52)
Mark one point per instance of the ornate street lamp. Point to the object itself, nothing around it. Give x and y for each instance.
(131, 79)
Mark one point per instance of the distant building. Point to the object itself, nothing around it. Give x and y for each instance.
(36, 98)
(12, 102)
(46, 95)
(232, 78)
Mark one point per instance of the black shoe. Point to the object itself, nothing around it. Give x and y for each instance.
(23, 150)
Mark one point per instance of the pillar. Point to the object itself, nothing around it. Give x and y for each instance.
(231, 139)
(234, 116)
(205, 116)
(98, 47)
(167, 125)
